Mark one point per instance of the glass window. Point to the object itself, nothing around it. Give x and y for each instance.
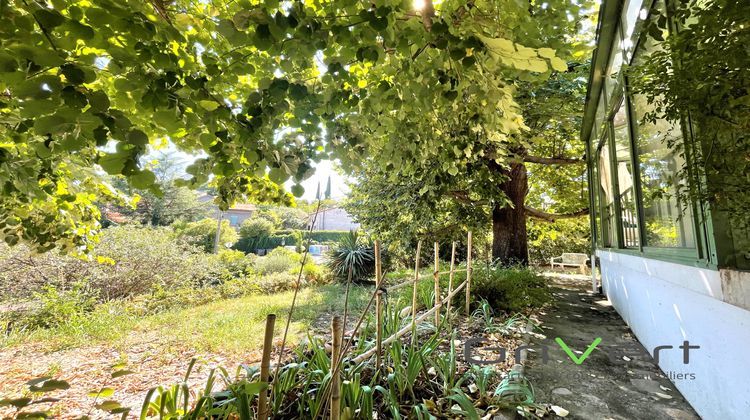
(625, 180)
(595, 205)
(234, 220)
(606, 195)
(601, 115)
(614, 66)
(665, 223)
(632, 12)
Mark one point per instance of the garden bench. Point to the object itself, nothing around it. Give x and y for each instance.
(570, 259)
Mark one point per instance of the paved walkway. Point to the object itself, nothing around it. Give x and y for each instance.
(619, 379)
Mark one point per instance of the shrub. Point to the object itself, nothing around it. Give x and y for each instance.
(256, 228)
(53, 307)
(277, 282)
(239, 287)
(351, 253)
(270, 242)
(280, 260)
(547, 240)
(203, 232)
(235, 263)
(509, 289)
(314, 273)
(128, 261)
(162, 299)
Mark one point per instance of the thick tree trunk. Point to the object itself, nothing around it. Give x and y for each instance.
(509, 238)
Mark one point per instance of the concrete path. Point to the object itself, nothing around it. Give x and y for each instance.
(618, 380)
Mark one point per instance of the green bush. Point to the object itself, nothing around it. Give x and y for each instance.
(509, 289)
(203, 232)
(128, 261)
(280, 260)
(234, 263)
(277, 282)
(256, 228)
(52, 308)
(547, 240)
(249, 245)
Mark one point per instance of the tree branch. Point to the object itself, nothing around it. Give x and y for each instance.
(553, 160)
(427, 14)
(550, 217)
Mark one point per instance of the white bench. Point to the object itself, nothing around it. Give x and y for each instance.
(570, 259)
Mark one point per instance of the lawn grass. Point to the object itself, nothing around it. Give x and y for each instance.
(231, 325)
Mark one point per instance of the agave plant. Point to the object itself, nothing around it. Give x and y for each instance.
(353, 254)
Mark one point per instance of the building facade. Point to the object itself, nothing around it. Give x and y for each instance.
(675, 271)
(333, 219)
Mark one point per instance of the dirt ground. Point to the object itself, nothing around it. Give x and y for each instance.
(618, 381)
(89, 369)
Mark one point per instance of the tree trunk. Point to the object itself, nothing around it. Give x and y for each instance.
(509, 238)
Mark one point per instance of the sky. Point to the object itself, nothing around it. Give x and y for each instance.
(323, 169)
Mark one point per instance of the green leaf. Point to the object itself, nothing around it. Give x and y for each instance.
(49, 385)
(103, 393)
(298, 190)
(113, 163)
(98, 101)
(137, 137)
(123, 372)
(277, 175)
(48, 18)
(558, 64)
(208, 105)
(15, 402)
(141, 180)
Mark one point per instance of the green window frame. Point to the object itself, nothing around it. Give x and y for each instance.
(612, 94)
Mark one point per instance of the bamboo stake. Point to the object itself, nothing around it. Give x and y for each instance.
(335, 380)
(378, 306)
(265, 366)
(403, 331)
(346, 300)
(468, 273)
(414, 289)
(450, 276)
(437, 283)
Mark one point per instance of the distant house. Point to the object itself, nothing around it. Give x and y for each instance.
(236, 215)
(333, 219)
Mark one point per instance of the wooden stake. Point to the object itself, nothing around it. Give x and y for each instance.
(414, 289)
(336, 379)
(450, 276)
(437, 284)
(265, 366)
(468, 273)
(378, 306)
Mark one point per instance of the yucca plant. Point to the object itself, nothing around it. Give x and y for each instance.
(353, 254)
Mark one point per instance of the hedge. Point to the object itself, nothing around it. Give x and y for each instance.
(288, 238)
(318, 235)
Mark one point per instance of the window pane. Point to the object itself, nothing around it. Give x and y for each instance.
(664, 223)
(615, 63)
(625, 182)
(606, 195)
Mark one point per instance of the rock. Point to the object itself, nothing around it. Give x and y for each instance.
(562, 391)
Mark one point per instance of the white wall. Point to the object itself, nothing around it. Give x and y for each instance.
(666, 303)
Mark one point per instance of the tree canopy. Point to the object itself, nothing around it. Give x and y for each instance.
(258, 89)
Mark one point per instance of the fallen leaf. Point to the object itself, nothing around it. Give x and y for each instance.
(560, 411)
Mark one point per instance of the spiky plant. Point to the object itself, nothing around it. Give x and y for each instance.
(352, 253)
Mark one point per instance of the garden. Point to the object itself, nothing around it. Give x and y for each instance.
(153, 305)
